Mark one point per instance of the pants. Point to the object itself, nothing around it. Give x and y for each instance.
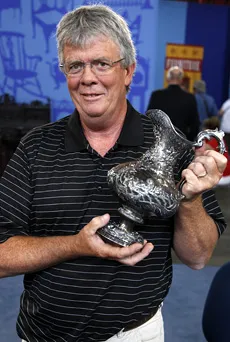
(151, 331)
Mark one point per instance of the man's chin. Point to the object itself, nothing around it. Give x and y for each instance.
(94, 115)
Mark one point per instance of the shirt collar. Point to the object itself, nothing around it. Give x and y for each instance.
(131, 134)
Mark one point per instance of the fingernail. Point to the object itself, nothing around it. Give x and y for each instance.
(151, 249)
(105, 216)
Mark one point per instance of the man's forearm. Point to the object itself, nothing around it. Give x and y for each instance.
(22, 254)
(195, 234)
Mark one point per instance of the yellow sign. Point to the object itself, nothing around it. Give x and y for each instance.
(187, 57)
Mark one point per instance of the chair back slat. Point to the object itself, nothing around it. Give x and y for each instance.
(12, 51)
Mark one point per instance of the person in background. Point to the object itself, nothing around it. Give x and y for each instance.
(206, 104)
(224, 114)
(214, 123)
(216, 313)
(177, 103)
(54, 196)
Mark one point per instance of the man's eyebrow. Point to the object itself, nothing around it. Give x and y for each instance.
(70, 61)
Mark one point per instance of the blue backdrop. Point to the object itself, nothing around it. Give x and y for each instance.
(28, 53)
(171, 29)
(208, 25)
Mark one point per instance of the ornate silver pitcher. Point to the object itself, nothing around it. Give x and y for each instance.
(147, 185)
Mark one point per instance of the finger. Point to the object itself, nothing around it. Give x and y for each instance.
(212, 166)
(200, 150)
(118, 252)
(219, 158)
(98, 222)
(198, 169)
(135, 258)
(112, 252)
(193, 183)
(131, 250)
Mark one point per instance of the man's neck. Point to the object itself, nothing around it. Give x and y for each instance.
(104, 138)
(174, 83)
(103, 141)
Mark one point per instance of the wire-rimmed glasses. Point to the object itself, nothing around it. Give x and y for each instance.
(98, 66)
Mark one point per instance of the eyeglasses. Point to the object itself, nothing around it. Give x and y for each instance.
(98, 66)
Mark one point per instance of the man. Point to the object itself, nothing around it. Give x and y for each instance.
(215, 320)
(206, 104)
(177, 103)
(55, 196)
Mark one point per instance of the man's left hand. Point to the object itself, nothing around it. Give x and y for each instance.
(203, 173)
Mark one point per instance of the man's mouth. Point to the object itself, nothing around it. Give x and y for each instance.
(91, 95)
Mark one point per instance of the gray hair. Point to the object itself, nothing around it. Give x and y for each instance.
(175, 73)
(200, 86)
(83, 24)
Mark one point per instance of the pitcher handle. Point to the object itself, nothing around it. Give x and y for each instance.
(207, 134)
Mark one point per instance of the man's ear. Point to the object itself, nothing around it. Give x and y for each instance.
(129, 74)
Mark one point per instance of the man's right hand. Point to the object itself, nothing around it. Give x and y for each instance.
(89, 243)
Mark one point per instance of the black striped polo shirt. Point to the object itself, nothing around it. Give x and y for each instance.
(55, 184)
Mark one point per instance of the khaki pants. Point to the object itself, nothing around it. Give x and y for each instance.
(150, 331)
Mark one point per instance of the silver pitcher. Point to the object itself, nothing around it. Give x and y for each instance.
(147, 186)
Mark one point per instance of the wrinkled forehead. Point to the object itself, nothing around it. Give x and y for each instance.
(86, 41)
(94, 48)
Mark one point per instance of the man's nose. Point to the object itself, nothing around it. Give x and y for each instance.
(88, 74)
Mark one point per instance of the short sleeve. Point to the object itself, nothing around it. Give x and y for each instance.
(15, 196)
